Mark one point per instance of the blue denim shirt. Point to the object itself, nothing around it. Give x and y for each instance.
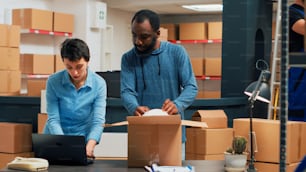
(74, 111)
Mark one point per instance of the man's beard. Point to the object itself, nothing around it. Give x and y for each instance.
(148, 50)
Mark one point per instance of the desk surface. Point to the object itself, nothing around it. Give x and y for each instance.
(121, 166)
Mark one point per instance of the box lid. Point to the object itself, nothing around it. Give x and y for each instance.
(213, 118)
(157, 120)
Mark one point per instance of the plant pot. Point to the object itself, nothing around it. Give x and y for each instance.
(235, 162)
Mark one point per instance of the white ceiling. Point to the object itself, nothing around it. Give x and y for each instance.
(159, 6)
(164, 6)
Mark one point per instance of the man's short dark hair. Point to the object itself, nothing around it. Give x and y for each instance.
(146, 14)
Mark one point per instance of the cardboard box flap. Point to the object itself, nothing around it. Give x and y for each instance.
(213, 118)
(171, 119)
(116, 124)
(156, 119)
(209, 113)
(194, 123)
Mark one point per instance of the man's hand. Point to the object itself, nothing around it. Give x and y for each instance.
(140, 110)
(169, 107)
(90, 146)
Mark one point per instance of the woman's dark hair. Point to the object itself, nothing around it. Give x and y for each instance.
(146, 14)
(74, 49)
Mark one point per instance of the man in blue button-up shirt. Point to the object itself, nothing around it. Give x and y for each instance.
(76, 97)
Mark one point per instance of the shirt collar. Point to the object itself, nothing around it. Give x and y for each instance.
(88, 82)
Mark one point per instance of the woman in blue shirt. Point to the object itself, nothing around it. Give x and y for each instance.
(76, 97)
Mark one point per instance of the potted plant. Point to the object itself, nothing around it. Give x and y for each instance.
(236, 156)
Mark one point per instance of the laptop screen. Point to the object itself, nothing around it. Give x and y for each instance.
(60, 149)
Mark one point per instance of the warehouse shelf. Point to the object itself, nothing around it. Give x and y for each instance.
(196, 41)
(45, 32)
(34, 76)
(208, 77)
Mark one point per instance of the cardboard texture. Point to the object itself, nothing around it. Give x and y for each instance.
(193, 31)
(303, 140)
(214, 30)
(37, 63)
(18, 137)
(10, 59)
(41, 121)
(202, 141)
(213, 66)
(155, 139)
(197, 64)
(8, 157)
(268, 138)
(172, 31)
(29, 18)
(58, 63)
(9, 35)
(34, 86)
(63, 22)
(209, 94)
(213, 118)
(163, 34)
(10, 82)
(271, 167)
(206, 140)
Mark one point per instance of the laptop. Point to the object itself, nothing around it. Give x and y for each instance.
(61, 149)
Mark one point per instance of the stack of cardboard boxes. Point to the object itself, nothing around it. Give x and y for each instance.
(9, 56)
(42, 21)
(202, 42)
(208, 143)
(16, 141)
(267, 134)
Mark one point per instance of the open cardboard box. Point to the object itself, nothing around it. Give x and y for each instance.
(155, 139)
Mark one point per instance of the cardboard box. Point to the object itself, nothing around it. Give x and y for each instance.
(155, 139)
(63, 22)
(172, 30)
(163, 34)
(213, 66)
(206, 140)
(302, 140)
(10, 82)
(268, 138)
(37, 63)
(9, 58)
(34, 87)
(193, 31)
(214, 30)
(5, 158)
(203, 141)
(58, 63)
(18, 137)
(197, 64)
(271, 167)
(207, 94)
(9, 35)
(41, 122)
(213, 118)
(29, 18)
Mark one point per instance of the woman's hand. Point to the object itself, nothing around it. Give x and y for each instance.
(90, 147)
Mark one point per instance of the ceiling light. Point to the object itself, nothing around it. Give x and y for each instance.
(205, 7)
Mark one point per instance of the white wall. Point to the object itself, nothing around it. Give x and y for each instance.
(46, 44)
(122, 39)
